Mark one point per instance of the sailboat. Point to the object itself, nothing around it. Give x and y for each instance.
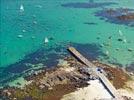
(21, 8)
(46, 40)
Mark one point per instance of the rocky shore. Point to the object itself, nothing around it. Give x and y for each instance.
(66, 77)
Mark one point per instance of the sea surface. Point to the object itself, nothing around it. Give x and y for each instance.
(64, 23)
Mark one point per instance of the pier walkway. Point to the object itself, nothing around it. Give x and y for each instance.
(111, 89)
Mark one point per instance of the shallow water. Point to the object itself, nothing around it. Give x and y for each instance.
(63, 22)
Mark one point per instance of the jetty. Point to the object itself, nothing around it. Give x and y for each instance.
(103, 79)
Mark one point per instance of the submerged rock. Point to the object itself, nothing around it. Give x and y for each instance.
(130, 67)
(120, 39)
(51, 38)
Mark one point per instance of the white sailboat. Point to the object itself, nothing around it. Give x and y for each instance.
(21, 8)
(46, 40)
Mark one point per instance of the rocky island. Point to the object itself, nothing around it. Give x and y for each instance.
(123, 16)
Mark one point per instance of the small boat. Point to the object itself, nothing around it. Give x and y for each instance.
(38, 6)
(33, 37)
(124, 40)
(107, 53)
(23, 31)
(101, 45)
(120, 33)
(35, 22)
(46, 40)
(21, 8)
(20, 36)
(34, 16)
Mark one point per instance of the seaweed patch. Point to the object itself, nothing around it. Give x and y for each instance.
(90, 23)
(45, 58)
(130, 67)
(122, 16)
(87, 4)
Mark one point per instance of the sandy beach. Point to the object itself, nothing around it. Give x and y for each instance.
(93, 91)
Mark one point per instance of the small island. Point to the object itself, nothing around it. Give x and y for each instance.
(123, 16)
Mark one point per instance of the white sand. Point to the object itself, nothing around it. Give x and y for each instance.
(68, 69)
(127, 93)
(94, 91)
(129, 90)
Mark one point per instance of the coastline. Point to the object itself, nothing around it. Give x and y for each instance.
(67, 76)
(34, 61)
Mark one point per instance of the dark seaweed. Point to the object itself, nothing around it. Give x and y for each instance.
(47, 58)
(90, 51)
(90, 23)
(87, 4)
(130, 67)
(114, 16)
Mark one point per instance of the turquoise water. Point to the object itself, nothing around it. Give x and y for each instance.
(49, 18)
